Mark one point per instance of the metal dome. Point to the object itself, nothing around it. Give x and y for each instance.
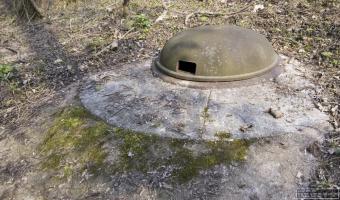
(216, 53)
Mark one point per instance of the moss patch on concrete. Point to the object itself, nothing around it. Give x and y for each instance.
(142, 152)
(74, 143)
(223, 135)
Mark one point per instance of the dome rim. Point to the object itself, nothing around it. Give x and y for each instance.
(199, 78)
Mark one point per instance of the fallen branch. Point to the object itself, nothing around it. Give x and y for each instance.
(164, 13)
(126, 34)
(11, 50)
(114, 44)
(238, 12)
(213, 14)
(162, 16)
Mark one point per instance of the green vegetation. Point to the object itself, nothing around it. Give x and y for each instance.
(205, 113)
(141, 152)
(134, 150)
(74, 143)
(219, 152)
(6, 72)
(222, 135)
(327, 54)
(141, 22)
(74, 137)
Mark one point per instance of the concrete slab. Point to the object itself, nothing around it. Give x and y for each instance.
(133, 98)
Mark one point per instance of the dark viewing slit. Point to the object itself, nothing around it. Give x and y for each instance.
(187, 66)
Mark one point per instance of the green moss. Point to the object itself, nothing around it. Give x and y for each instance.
(98, 87)
(219, 152)
(67, 171)
(74, 137)
(205, 113)
(141, 152)
(134, 149)
(75, 140)
(52, 161)
(221, 135)
(91, 135)
(94, 160)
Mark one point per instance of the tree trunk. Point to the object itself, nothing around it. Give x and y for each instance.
(27, 9)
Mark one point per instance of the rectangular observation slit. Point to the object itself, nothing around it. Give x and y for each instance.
(186, 66)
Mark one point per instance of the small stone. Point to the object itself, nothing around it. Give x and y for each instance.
(299, 175)
(283, 145)
(130, 154)
(258, 7)
(114, 44)
(58, 61)
(167, 186)
(109, 9)
(302, 51)
(246, 127)
(331, 151)
(289, 120)
(276, 113)
(24, 179)
(83, 67)
(10, 109)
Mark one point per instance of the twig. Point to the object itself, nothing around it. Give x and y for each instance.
(164, 13)
(11, 50)
(162, 16)
(127, 33)
(113, 44)
(187, 18)
(237, 12)
(214, 14)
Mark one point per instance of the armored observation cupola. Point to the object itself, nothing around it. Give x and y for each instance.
(216, 53)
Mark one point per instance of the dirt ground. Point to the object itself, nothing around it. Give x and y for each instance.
(43, 64)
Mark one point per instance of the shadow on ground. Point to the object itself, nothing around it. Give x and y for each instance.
(55, 65)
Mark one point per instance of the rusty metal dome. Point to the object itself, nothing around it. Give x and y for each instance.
(216, 53)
